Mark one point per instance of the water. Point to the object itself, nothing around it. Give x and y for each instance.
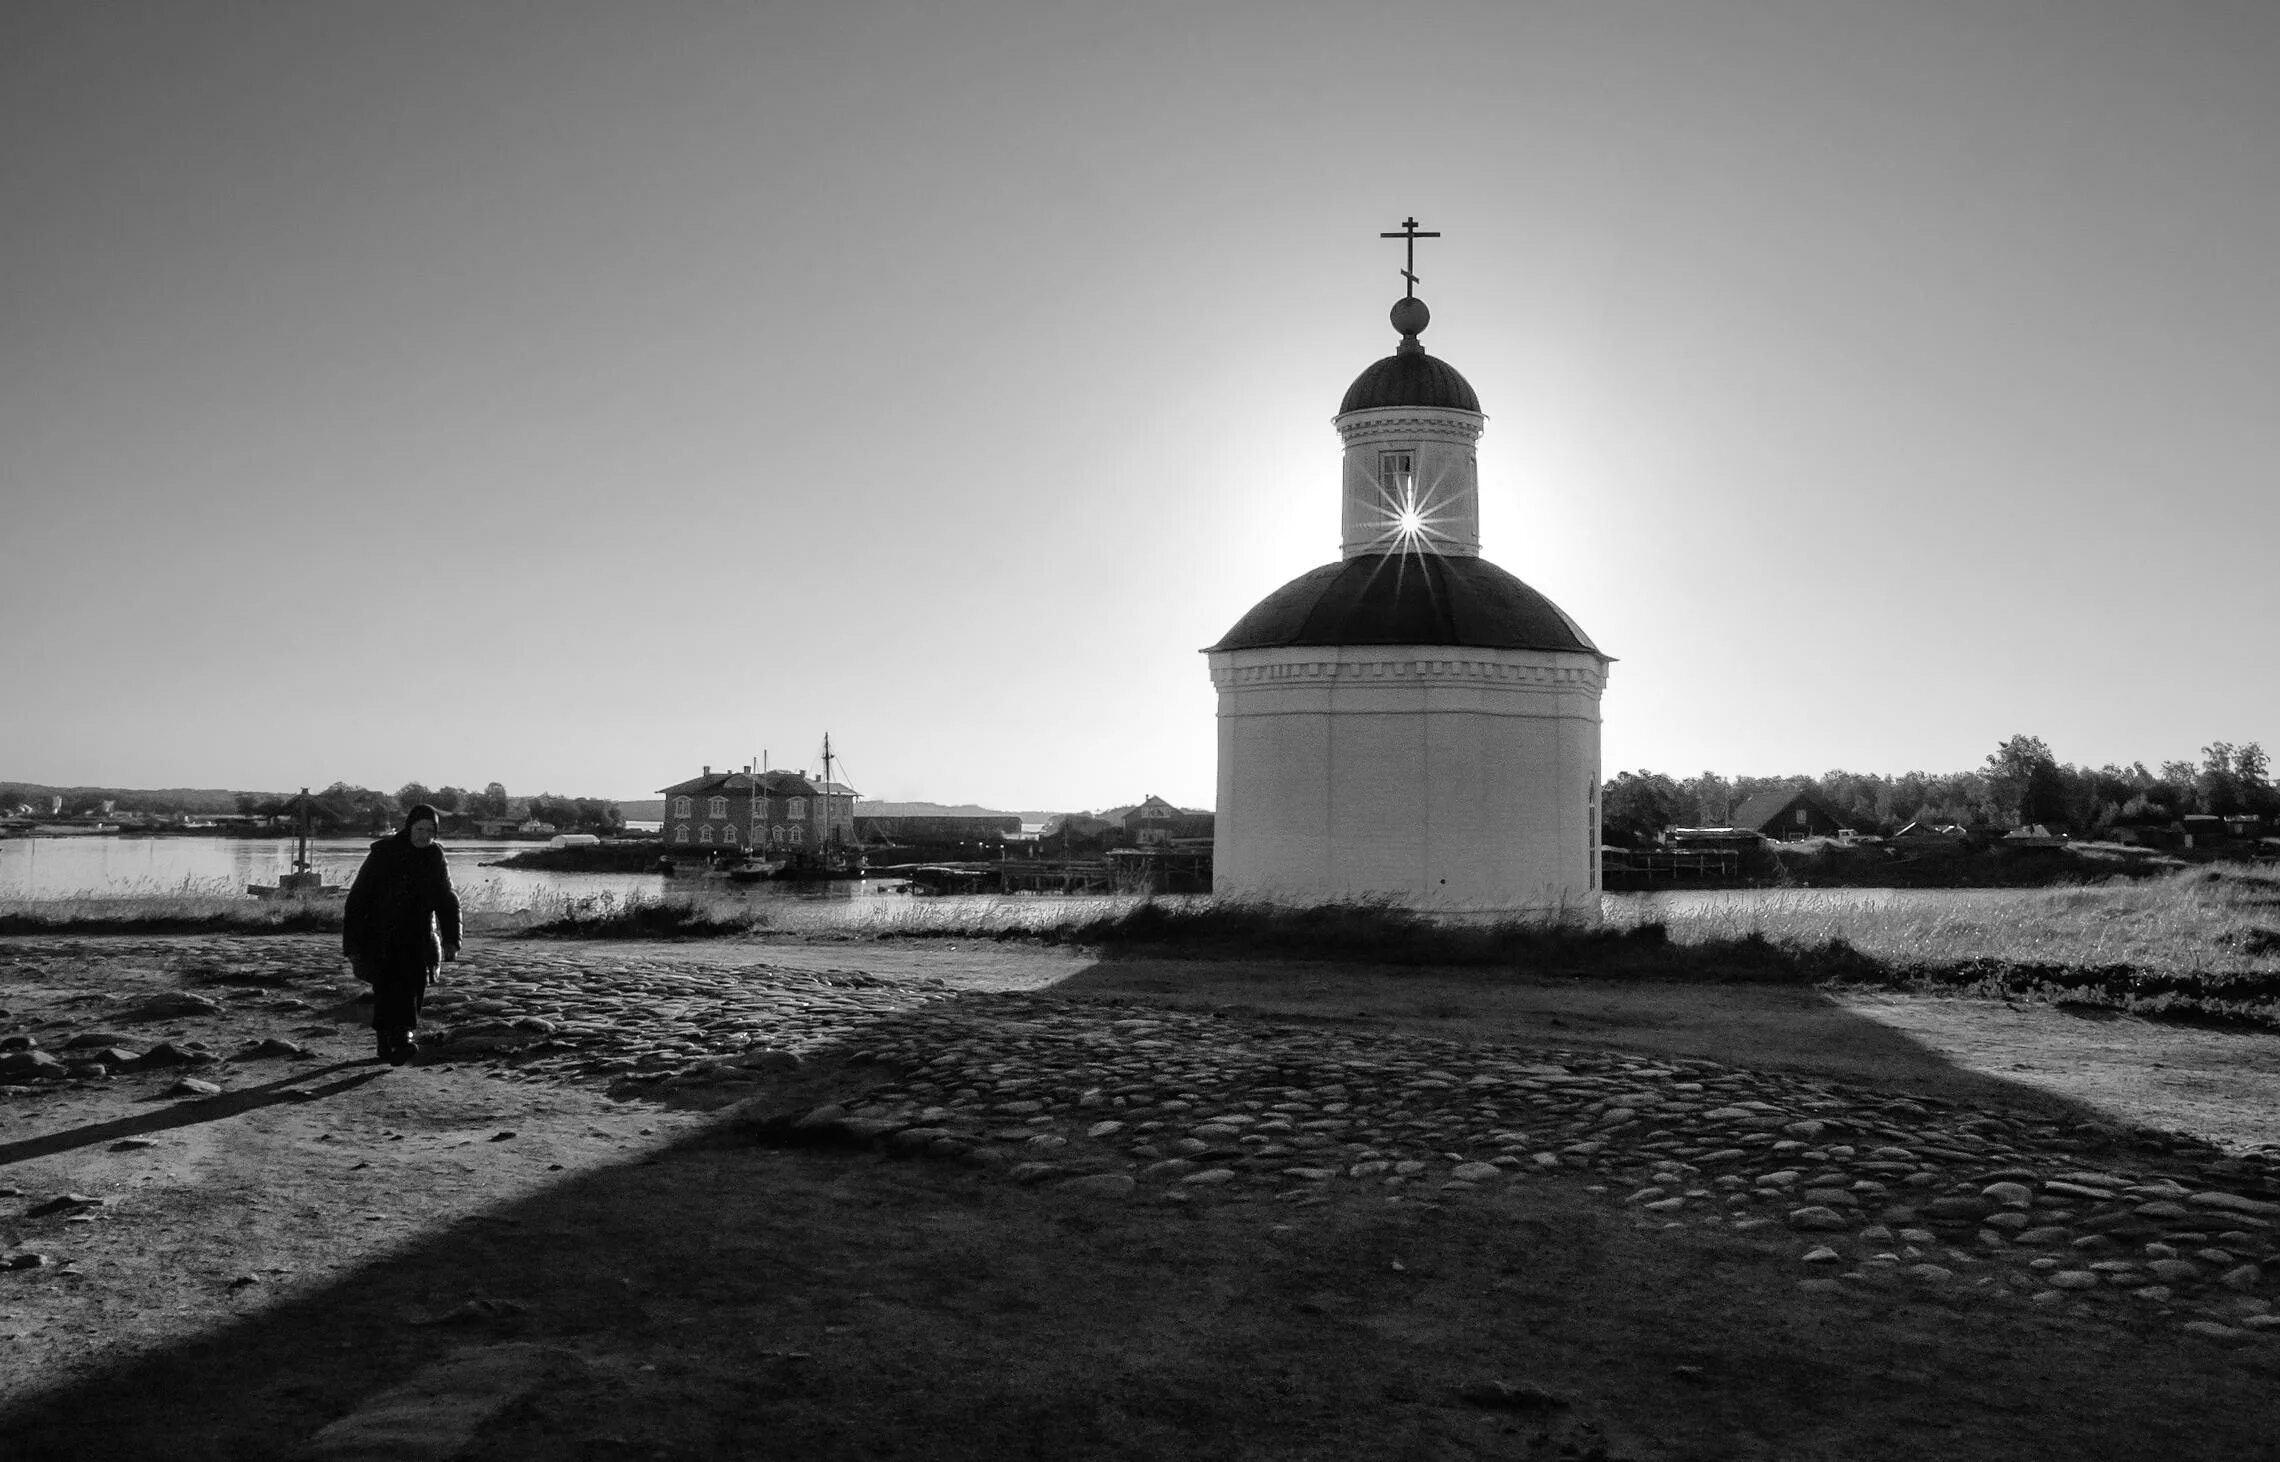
(48, 868)
(61, 867)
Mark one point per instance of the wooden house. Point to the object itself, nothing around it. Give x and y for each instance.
(1788, 815)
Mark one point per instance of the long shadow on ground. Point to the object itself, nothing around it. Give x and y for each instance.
(744, 1295)
(237, 1102)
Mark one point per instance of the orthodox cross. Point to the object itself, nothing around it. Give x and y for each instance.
(1410, 231)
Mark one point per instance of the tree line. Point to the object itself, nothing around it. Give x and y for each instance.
(2021, 784)
(342, 807)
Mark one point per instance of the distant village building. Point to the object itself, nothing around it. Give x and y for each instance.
(1788, 815)
(1156, 823)
(787, 811)
(1410, 722)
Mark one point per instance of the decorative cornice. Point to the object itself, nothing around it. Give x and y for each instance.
(1242, 670)
(1410, 421)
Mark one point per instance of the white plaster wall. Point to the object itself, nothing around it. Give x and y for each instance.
(1447, 475)
(1450, 778)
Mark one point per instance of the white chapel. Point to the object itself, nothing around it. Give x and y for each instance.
(1411, 721)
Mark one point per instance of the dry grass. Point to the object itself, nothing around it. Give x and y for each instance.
(2197, 919)
(2202, 943)
(2191, 922)
(193, 906)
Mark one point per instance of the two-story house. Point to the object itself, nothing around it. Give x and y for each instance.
(1157, 823)
(788, 812)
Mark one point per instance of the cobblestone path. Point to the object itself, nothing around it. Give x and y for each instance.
(1874, 1191)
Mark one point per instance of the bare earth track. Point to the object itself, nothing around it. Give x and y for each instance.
(923, 1199)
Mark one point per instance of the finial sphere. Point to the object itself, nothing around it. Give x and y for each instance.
(1410, 315)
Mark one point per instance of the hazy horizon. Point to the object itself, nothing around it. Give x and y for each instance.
(572, 394)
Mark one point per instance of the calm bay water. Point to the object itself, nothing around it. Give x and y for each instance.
(47, 868)
(60, 867)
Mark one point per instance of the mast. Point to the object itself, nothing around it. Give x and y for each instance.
(830, 828)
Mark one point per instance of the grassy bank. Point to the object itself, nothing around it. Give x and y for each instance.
(2201, 942)
(182, 913)
(217, 906)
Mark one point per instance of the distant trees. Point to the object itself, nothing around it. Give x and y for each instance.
(1636, 807)
(1709, 799)
(343, 808)
(2235, 779)
(579, 812)
(492, 803)
(2021, 783)
(2026, 784)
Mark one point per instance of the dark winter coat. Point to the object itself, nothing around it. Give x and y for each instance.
(401, 913)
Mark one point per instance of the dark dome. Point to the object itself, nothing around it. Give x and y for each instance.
(1408, 599)
(1409, 378)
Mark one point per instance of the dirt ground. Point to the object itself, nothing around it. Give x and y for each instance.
(341, 1259)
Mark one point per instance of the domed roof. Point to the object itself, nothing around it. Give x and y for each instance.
(1408, 599)
(1409, 377)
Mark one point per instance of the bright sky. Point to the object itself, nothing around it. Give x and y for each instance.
(573, 394)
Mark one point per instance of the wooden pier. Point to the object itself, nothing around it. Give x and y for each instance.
(1631, 870)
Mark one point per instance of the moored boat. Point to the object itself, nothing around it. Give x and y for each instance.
(754, 869)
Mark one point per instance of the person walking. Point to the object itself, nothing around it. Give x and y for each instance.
(400, 923)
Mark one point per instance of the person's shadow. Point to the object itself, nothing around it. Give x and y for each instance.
(188, 1113)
